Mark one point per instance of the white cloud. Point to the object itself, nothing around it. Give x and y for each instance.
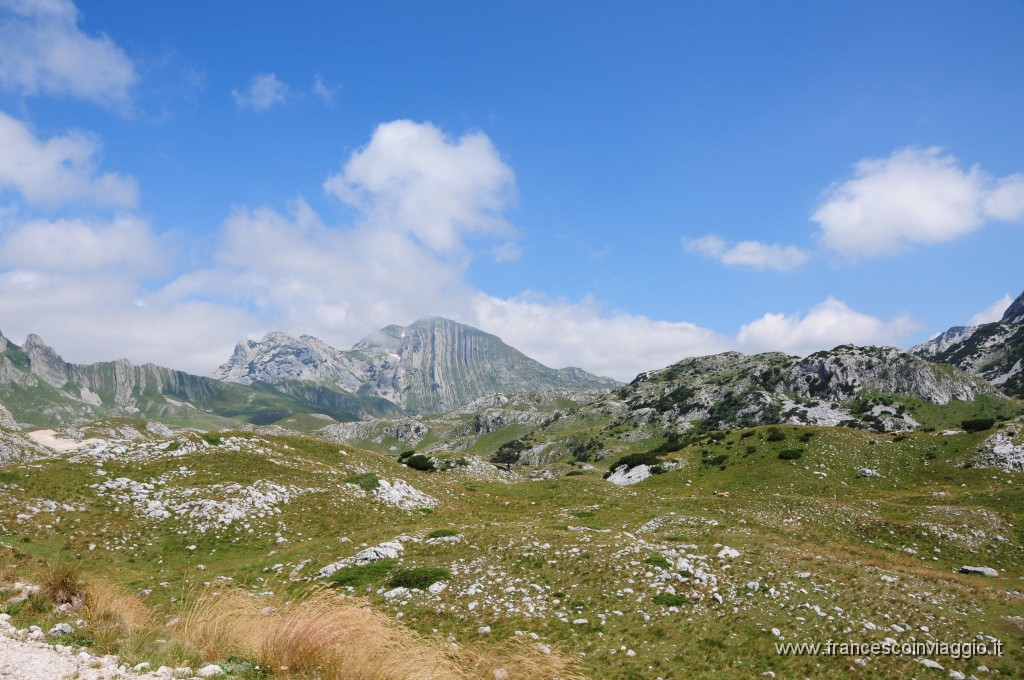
(915, 196)
(753, 254)
(426, 205)
(506, 252)
(263, 92)
(826, 325)
(326, 93)
(58, 169)
(414, 179)
(559, 333)
(42, 51)
(993, 312)
(75, 247)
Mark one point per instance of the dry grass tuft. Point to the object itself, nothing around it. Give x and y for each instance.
(521, 658)
(114, 615)
(321, 634)
(326, 635)
(62, 583)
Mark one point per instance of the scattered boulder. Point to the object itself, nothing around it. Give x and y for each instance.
(624, 476)
(983, 571)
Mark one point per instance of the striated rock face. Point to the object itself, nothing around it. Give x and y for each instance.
(994, 351)
(431, 365)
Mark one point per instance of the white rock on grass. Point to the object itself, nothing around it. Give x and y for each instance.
(727, 553)
(983, 571)
(624, 476)
(210, 671)
(385, 551)
(403, 495)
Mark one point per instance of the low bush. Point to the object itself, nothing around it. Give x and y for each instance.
(978, 424)
(367, 481)
(419, 462)
(442, 533)
(791, 454)
(658, 561)
(669, 600)
(775, 435)
(211, 438)
(633, 460)
(419, 578)
(358, 576)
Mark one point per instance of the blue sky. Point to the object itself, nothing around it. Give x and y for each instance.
(610, 187)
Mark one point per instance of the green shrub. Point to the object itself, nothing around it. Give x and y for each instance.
(419, 578)
(669, 600)
(658, 561)
(791, 454)
(716, 460)
(633, 460)
(978, 424)
(775, 435)
(405, 454)
(367, 481)
(211, 438)
(361, 575)
(441, 533)
(420, 462)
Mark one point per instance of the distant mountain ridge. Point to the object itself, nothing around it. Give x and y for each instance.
(431, 365)
(994, 351)
(39, 388)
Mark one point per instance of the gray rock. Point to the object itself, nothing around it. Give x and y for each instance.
(983, 571)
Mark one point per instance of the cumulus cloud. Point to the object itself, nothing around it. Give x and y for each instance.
(425, 203)
(59, 169)
(915, 196)
(993, 312)
(752, 254)
(42, 51)
(826, 325)
(80, 284)
(77, 246)
(414, 179)
(617, 344)
(263, 92)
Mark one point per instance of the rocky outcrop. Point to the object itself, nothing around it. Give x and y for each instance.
(825, 388)
(430, 366)
(6, 419)
(993, 351)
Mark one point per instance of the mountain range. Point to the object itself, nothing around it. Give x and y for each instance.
(436, 365)
(431, 365)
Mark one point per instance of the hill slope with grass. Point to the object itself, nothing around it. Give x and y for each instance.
(747, 540)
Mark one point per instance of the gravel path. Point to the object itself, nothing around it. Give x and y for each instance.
(35, 661)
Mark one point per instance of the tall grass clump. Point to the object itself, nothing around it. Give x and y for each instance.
(62, 583)
(325, 635)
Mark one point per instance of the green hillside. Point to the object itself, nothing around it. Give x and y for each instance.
(628, 578)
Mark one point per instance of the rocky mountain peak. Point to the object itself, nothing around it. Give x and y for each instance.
(430, 365)
(994, 351)
(44, 361)
(1015, 312)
